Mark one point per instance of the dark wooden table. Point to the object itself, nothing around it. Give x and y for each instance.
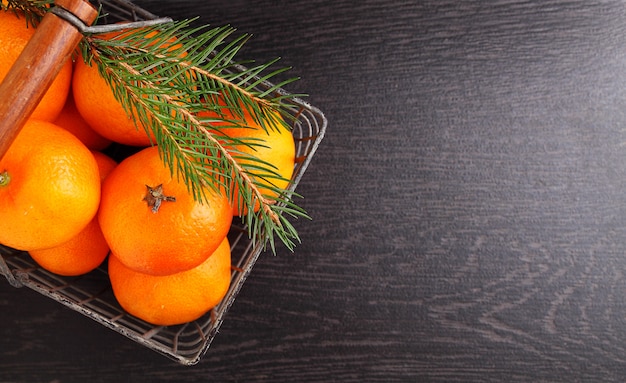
(469, 214)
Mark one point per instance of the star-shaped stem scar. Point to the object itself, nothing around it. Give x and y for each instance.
(154, 197)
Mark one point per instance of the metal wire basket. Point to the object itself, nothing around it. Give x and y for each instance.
(91, 294)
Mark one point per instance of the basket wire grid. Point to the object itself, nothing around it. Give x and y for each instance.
(91, 294)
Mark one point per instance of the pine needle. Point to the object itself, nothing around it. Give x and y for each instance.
(165, 75)
(33, 10)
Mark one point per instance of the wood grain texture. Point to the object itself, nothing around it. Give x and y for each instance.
(469, 219)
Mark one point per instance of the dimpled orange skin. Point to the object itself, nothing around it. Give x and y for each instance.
(85, 251)
(72, 121)
(99, 107)
(275, 146)
(95, 101)
(13, 38)
(173, 299)
(178, 237)
(80, 255)
(52, 191)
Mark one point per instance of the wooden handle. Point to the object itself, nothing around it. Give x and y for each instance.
(37, 66)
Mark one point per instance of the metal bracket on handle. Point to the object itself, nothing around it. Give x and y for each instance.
(86, 29)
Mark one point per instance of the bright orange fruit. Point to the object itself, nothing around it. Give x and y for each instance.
(95, 101)
(14, 36)
(49, 187)
(152, 222)
(81, 254)
(176, 298)
(274, 145)
(72, 121)
(99, 107)
(86, 250)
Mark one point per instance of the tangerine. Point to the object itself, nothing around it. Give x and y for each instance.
(105, 163)
(97, 104)
(274, 145)
(49, 187)
(85, 251)
(153, 223)
(71, 120)
(176, 298)
(14, 35)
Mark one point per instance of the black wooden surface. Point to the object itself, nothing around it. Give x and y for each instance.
(469, 219)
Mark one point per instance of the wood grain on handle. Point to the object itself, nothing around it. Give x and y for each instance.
(37, 66)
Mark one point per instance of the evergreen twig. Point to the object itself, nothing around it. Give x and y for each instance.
(165, 79)
(33, 10)
(164, 85)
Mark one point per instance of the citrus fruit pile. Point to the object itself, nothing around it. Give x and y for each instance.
(73, 207)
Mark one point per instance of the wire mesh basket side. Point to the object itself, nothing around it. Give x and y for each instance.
(91, 294)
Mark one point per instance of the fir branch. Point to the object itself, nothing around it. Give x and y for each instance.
(164, 84)
(33, 10)
(238, 169)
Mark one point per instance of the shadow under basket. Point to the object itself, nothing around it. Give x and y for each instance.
(91, 294)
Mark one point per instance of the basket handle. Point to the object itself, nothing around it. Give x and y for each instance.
(37, 66)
